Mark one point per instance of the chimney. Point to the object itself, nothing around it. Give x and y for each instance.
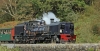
(52, 20)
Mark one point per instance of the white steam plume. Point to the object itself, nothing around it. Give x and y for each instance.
(47, 16)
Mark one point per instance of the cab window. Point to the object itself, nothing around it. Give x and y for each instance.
(71, 26)
(63, 26)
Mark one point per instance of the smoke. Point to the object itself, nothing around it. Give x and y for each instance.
(47, 16)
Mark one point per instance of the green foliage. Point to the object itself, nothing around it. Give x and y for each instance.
(24, 9)
(86, 24)
(5, 18)
(81, 3)
(62, 8)
(71, 17)
(95, 29)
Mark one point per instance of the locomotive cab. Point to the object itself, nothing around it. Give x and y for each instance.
(67, 28)
(67, 32)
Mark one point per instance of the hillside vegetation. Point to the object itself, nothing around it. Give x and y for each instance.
(87, 27)
(85, 14)
(9, 24)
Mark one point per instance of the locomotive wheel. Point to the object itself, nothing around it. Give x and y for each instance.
(41, 41)
(63, 42)
(73, 41)
(32, 42)
(46, 40)
(55, 39)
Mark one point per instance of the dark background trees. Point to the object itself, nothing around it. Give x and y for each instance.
(26, 10)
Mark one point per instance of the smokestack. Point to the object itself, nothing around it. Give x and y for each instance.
(50, 17)
(52, 20)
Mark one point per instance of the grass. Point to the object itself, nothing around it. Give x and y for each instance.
(92, 49)
(8, 49)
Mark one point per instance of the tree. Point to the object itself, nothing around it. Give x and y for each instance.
(89, 2)
(61, 8)
(18, 9)
(10, 6)
(25, 9)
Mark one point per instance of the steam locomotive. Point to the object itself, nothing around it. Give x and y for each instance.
(38, 31)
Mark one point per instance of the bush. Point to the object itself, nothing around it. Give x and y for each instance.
(96, 30)
(5, 18)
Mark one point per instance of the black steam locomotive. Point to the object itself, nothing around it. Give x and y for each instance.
(39, 32)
